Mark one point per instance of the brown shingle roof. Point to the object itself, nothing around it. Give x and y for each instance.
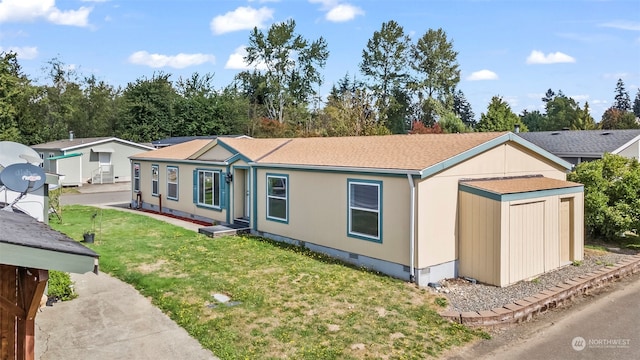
(254, 149)
(180, 151)
(406, 152)
(519, 184)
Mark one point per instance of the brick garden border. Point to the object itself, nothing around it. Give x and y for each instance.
(525, 309)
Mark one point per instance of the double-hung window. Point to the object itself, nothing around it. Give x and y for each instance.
(136, 177)
(209, 188)
(277, 197)
(172, 182)
(365, 203)
(155, 175)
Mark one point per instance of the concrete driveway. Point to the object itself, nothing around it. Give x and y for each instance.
(110, 319)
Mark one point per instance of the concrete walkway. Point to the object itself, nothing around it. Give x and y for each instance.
(111, 320)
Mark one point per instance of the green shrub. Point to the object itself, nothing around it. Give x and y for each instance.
(61, 286)
(611, 194)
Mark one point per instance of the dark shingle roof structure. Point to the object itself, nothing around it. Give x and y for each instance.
(23, 230)
(585, 143)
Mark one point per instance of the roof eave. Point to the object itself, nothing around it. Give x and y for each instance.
(337, 168)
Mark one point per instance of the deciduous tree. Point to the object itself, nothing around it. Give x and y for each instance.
(384, 63)
(436, 70)
(292, 66)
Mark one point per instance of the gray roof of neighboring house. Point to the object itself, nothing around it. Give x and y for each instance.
(75, 143)
(582, 142)
(182, 139)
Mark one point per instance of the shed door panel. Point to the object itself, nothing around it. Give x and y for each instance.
(526, 241)
(565, 230)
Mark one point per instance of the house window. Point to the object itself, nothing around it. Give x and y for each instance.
(155, 175)
(277, 197)
(209, 188)
(172, 182)
(41, 158)
(136, 177)
(365, 200)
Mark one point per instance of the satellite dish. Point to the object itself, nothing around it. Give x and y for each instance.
(15, 153)
(23, 178)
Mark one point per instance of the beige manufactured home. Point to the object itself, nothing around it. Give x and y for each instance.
(397, 204)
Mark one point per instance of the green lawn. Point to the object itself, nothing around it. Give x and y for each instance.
(292, 303)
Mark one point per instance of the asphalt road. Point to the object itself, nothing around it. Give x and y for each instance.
(95, 198)
(604, 326)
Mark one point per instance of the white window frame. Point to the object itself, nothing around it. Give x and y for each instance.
(136, 177)
(170, 182)
(201, 190)
(155, 179)
(284, 198)
(351, 207)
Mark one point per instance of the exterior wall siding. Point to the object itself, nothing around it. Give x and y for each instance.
(318, 212)
(185, 204)
(437, 224)
(632, 151)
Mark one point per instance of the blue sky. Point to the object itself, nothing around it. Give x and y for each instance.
(514, 49)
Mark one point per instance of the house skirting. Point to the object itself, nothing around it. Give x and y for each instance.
(423, 276)
(166, 210)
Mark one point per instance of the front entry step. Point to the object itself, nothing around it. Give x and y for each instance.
(226, 229)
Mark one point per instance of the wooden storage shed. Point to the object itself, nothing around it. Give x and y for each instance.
(516, 228)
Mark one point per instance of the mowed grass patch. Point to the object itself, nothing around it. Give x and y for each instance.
(291, 302)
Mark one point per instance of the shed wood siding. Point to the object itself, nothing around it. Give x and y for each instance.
(437, 223)
(526, 240)
(502, 243)
(477, 256)
(318, 213)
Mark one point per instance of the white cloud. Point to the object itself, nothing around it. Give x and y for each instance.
(343, 12)
(179, 61)
(622, 25)
(236, 61)
(25, 52)
(242, 18)
(580, 98)
(482, 75)
(538, 57)
(32, 10)
(338, 12)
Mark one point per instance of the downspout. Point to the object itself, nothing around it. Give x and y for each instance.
(412, 218)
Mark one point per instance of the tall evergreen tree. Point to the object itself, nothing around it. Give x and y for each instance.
(622, 100)
(499, 117)
(462, 109)
(533, 120)
(636, 105)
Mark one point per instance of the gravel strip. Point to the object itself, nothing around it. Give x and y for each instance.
(465, 296)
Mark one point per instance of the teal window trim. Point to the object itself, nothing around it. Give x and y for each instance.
(155, 179)
(353, 207)
(171, 182)
(272, 196)
(136, 177)
(200, 195)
